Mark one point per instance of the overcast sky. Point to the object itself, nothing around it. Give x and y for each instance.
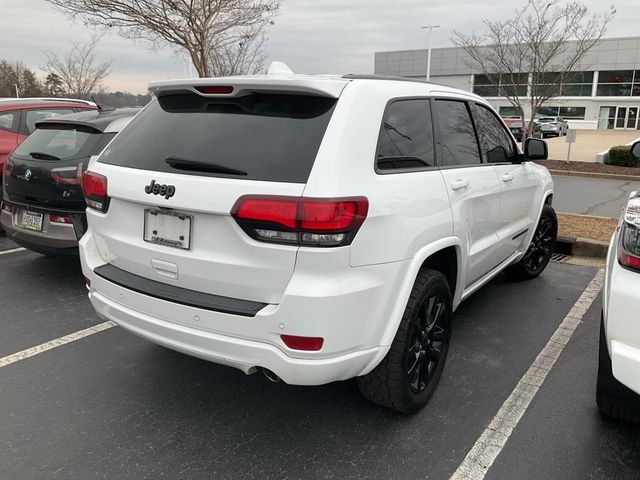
(311, 36)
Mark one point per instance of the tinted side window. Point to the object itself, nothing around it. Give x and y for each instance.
(458, 138)
(495, 142)
(8, 121)
(406, 136)
(34, 116)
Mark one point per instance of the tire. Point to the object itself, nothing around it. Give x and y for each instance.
(538, 255)
(614, 400)
(407, 377)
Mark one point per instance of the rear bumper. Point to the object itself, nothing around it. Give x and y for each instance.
(349, 308)
(245, 355)
(625, 363)
(622, 325)
(54, 237)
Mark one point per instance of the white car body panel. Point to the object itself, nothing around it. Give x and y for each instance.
(352, 296)
(621, 298)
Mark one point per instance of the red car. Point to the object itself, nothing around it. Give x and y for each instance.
(18, 117)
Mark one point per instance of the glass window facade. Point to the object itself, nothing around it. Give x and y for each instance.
(500, 85)
(618, 83)
(568, 113)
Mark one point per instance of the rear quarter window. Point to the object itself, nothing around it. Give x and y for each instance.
(267, 137)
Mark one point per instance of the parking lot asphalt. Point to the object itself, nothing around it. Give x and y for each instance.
(112, 405)
(592, 196)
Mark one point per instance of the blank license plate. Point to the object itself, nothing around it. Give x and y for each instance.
(167, 228)
(31, 220)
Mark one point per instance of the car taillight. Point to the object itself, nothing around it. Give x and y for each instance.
(94, 188)
(67, 175)
(629, 247)
(316, 222)
(60, 219)
(7, 207)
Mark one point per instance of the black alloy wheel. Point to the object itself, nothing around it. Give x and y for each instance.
(427, 340)
(408, 375)
(542, 245)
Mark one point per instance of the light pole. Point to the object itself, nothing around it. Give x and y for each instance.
(430, 27)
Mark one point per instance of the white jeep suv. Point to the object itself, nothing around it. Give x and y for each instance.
(318, 228)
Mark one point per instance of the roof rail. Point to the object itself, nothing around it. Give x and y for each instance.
(358, 76)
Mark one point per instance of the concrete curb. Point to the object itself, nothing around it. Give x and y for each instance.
(607, 176)
(581, 247)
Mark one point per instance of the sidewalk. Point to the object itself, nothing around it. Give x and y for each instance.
(589, 143)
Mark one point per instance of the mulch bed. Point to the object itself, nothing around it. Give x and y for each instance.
(582, 226)
(588, 167)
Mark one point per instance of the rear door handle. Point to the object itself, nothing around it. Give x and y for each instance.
(506, 177)
(459, 184)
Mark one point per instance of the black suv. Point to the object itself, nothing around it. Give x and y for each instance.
(43, 208)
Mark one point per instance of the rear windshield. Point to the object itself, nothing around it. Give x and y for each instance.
(56, 142)
(254, 137)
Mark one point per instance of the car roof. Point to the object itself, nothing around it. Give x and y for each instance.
(103, 121)
(20, 103)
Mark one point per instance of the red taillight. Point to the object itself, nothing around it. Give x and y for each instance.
(215, 89)
(280, 210)
(321, 222)
(60, 219)
(7, 207)
(67, 175)
(310, 344)
(94, 188)
(628, 261)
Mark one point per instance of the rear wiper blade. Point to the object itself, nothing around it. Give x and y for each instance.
(43, 156)
(199, 166)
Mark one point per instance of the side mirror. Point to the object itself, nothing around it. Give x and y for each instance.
(535, 149)
(635, 149)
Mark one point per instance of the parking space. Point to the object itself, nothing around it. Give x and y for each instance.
(115, 406)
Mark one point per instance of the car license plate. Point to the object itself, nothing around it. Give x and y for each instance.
(166, 227)
(31, 220)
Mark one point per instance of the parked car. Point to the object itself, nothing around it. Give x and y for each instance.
(18, 117)
(553, 126)
(312, 227)
(618, 387)
(517, 131)
(44, 209)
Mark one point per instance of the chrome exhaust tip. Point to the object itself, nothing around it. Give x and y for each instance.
(272, 377)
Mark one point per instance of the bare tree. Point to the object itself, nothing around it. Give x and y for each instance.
(528, 57)
(245, 56)
(78, 70)
(198, 26)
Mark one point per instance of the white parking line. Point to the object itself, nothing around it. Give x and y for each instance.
(493, 439)
(58, 342)
(12, 250)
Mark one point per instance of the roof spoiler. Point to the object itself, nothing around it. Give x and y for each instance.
(279, 79)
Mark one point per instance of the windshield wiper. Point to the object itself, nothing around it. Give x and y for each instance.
(43, 156)
(199, 166)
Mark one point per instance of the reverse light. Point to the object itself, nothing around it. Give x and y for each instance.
(215, 89)
(317, 222)
(309, 344)
(94, 188)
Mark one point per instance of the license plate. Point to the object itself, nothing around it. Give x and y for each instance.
(31, 220)
(168, 228)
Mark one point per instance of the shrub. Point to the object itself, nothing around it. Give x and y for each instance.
(621, 156)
